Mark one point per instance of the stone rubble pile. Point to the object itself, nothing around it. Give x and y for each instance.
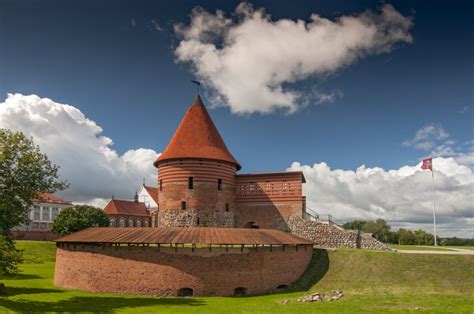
(320, 297)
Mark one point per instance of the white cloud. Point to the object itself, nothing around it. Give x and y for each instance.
(156, 25)
(426, 137)
(133, 22)
(434, 138)
(248, 61)
(75, 143)
(401, 196)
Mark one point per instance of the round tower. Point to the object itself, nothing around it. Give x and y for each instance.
(196, 175)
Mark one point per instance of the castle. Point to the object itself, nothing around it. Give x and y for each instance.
(211, 231)
(198, 186)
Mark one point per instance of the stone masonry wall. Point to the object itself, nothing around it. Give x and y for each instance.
(333, 236)
(209, 273)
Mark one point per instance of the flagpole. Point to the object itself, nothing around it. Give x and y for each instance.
(434, 207)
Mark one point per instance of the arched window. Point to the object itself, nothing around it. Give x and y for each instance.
(197, 221)
(185, 292)
(139, 223)
(145, 223)
(226, 207)
(130, 223)
(240, 291)
(112, 222)
(219, 184)
(183, 205)
(190, 183)
(122, 222)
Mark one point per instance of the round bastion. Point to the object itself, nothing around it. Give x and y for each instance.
(180, 261)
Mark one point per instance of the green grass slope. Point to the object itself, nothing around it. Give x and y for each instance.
(372, 282)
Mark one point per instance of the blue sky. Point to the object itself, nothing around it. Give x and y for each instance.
(117, 62)
(126, 79)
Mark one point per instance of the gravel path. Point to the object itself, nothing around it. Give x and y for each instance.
(452, 252)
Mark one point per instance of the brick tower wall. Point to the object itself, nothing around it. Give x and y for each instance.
(206, 206)
(268, 200)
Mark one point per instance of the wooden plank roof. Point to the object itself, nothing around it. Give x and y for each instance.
(169, 235)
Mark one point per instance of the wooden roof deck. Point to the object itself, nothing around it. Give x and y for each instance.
(166, 235)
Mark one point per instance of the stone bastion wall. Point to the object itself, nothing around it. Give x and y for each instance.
(170, 272)
(333, 236)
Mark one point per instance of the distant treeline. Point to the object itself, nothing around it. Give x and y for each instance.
(381, 231)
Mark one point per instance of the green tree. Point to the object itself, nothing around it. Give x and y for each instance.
(10, 257)
(24, 172)
(423, 238)
(79, 217)
(379, 229)
(354, 225)
(405, 237)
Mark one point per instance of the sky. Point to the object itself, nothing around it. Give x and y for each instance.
(353, 94)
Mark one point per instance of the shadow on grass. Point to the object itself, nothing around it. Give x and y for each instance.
(20, 277)
(317, 268)
(95, 304)
(12, 291)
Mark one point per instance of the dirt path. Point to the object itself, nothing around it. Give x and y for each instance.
(452, 252)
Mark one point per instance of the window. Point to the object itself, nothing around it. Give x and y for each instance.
(219, 184)
(145, 223)
(161, 185)
(130, 223)
(112, 222)
(139, 223)
(226, 207)
(122, 222)
(197, 221)
(36, 213)
(183, 205)
(190, 183)
(45, 214)
(54, 213)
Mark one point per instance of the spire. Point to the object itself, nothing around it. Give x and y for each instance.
(135, 198)
(197, 137)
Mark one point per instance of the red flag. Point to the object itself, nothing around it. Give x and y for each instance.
(427, 164)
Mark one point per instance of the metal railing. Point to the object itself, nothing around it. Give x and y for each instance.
(324, 217)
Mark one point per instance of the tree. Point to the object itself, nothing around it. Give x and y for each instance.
(405, 237)
(79, 217)
(379, 229)
(10, 257)
(24, 172)
(354, 225)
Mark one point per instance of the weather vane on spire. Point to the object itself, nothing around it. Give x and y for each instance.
(198, 84)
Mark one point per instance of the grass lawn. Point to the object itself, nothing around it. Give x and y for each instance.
(419, 248)
(371, 282)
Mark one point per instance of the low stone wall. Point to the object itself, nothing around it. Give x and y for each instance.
(333, 236)
(34, 235)
(147, 271)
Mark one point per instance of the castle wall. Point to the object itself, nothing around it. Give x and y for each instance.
(217, 272)
(333, 236)
(206, 206)
(268, 200)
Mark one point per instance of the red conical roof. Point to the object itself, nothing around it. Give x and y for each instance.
(197, 137)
